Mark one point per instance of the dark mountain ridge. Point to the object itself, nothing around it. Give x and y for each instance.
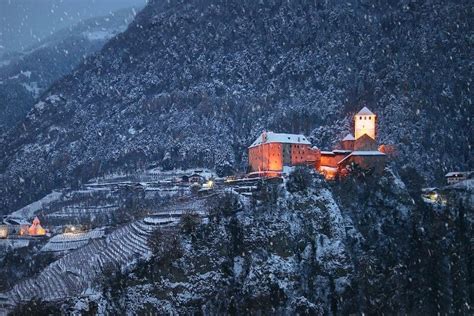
(191, 83)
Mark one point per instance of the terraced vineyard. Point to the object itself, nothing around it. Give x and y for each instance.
(70, 241)
(86, 257)
(74, 273)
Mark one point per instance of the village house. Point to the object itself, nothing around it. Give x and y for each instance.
(458, 176)
(196, 178)
(3, 231)
(34, 230)
(271, 152)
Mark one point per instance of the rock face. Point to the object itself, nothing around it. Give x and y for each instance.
(287, 252)
(192, 83)
(24, 76)
(362, 246)
(359, 247)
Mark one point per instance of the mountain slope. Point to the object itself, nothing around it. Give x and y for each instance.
(25, 75)
(192, 83)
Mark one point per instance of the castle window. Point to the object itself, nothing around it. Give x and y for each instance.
(360, 117)
(370, 117)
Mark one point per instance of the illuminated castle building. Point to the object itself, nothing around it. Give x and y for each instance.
(271, 152)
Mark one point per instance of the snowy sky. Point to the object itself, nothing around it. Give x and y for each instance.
(22, 22)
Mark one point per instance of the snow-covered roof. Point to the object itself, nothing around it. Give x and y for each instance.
(367, 153)
(341, 151)
(365, 111)
(280, 138)
(327, 153)
(363, 153)
(348, 137)
(457, 173)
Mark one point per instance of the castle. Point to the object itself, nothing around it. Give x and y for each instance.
(271, 152)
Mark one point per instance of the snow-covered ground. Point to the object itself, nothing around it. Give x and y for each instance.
(13, 243)
(26, 213)
(33, 88)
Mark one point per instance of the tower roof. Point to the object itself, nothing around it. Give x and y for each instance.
(348, 137)
(365, 111)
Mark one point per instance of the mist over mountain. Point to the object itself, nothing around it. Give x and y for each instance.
(25, 75)
(26, 22)
(193, 83)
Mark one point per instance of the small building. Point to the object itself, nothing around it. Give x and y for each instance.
(272, 151)
(36, 229)
(196, 178)
(458, 176)
(3, 231)
(74, 229)
(347, 142)
(430, 194)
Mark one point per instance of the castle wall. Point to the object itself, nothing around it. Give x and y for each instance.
(328, 160)
(367, 162)
(266, 157)
(347, 144)
(300, 154)
(273, 156)
(365, 143)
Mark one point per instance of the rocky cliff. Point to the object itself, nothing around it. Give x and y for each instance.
(362, 246)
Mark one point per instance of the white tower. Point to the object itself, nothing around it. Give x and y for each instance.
(365, 123)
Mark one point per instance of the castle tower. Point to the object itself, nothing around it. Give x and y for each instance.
(365, 123)
(347, 142)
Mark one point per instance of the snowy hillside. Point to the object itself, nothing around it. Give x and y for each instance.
(193, 84)
(123, 155)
